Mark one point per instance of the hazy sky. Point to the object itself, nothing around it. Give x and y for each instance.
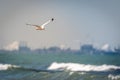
(76, 21)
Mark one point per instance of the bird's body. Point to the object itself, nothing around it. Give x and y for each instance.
(39, 28)
(42, 27)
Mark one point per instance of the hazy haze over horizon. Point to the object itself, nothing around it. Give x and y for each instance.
(76, 22)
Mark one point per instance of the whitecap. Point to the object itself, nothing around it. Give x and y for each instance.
(81, 67)
(71, 73)
(7, 66)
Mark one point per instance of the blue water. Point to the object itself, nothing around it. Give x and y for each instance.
(36, 66)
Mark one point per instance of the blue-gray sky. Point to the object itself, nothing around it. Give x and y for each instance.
(76, 21)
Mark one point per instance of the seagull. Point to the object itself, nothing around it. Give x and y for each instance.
(42, 27)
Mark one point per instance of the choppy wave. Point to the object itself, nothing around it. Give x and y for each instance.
(29, 68)
(81, 67)
(10, 66)
(7, 66)
(74, 71)
(56, 67)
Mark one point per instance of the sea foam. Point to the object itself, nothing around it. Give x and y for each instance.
(114, 77)
(81, 67)
(7, 66)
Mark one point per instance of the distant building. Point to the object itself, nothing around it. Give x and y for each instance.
(23, 47)
(54, 50)
(87, 48)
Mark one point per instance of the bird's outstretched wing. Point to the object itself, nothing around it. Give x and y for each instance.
(47, 22)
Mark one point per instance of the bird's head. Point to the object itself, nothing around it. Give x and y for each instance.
(52, 19)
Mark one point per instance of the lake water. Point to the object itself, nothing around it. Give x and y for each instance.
(59, 66)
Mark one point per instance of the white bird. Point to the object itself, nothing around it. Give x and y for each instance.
(42, 27)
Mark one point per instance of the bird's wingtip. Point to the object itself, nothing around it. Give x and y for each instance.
(52, 19)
